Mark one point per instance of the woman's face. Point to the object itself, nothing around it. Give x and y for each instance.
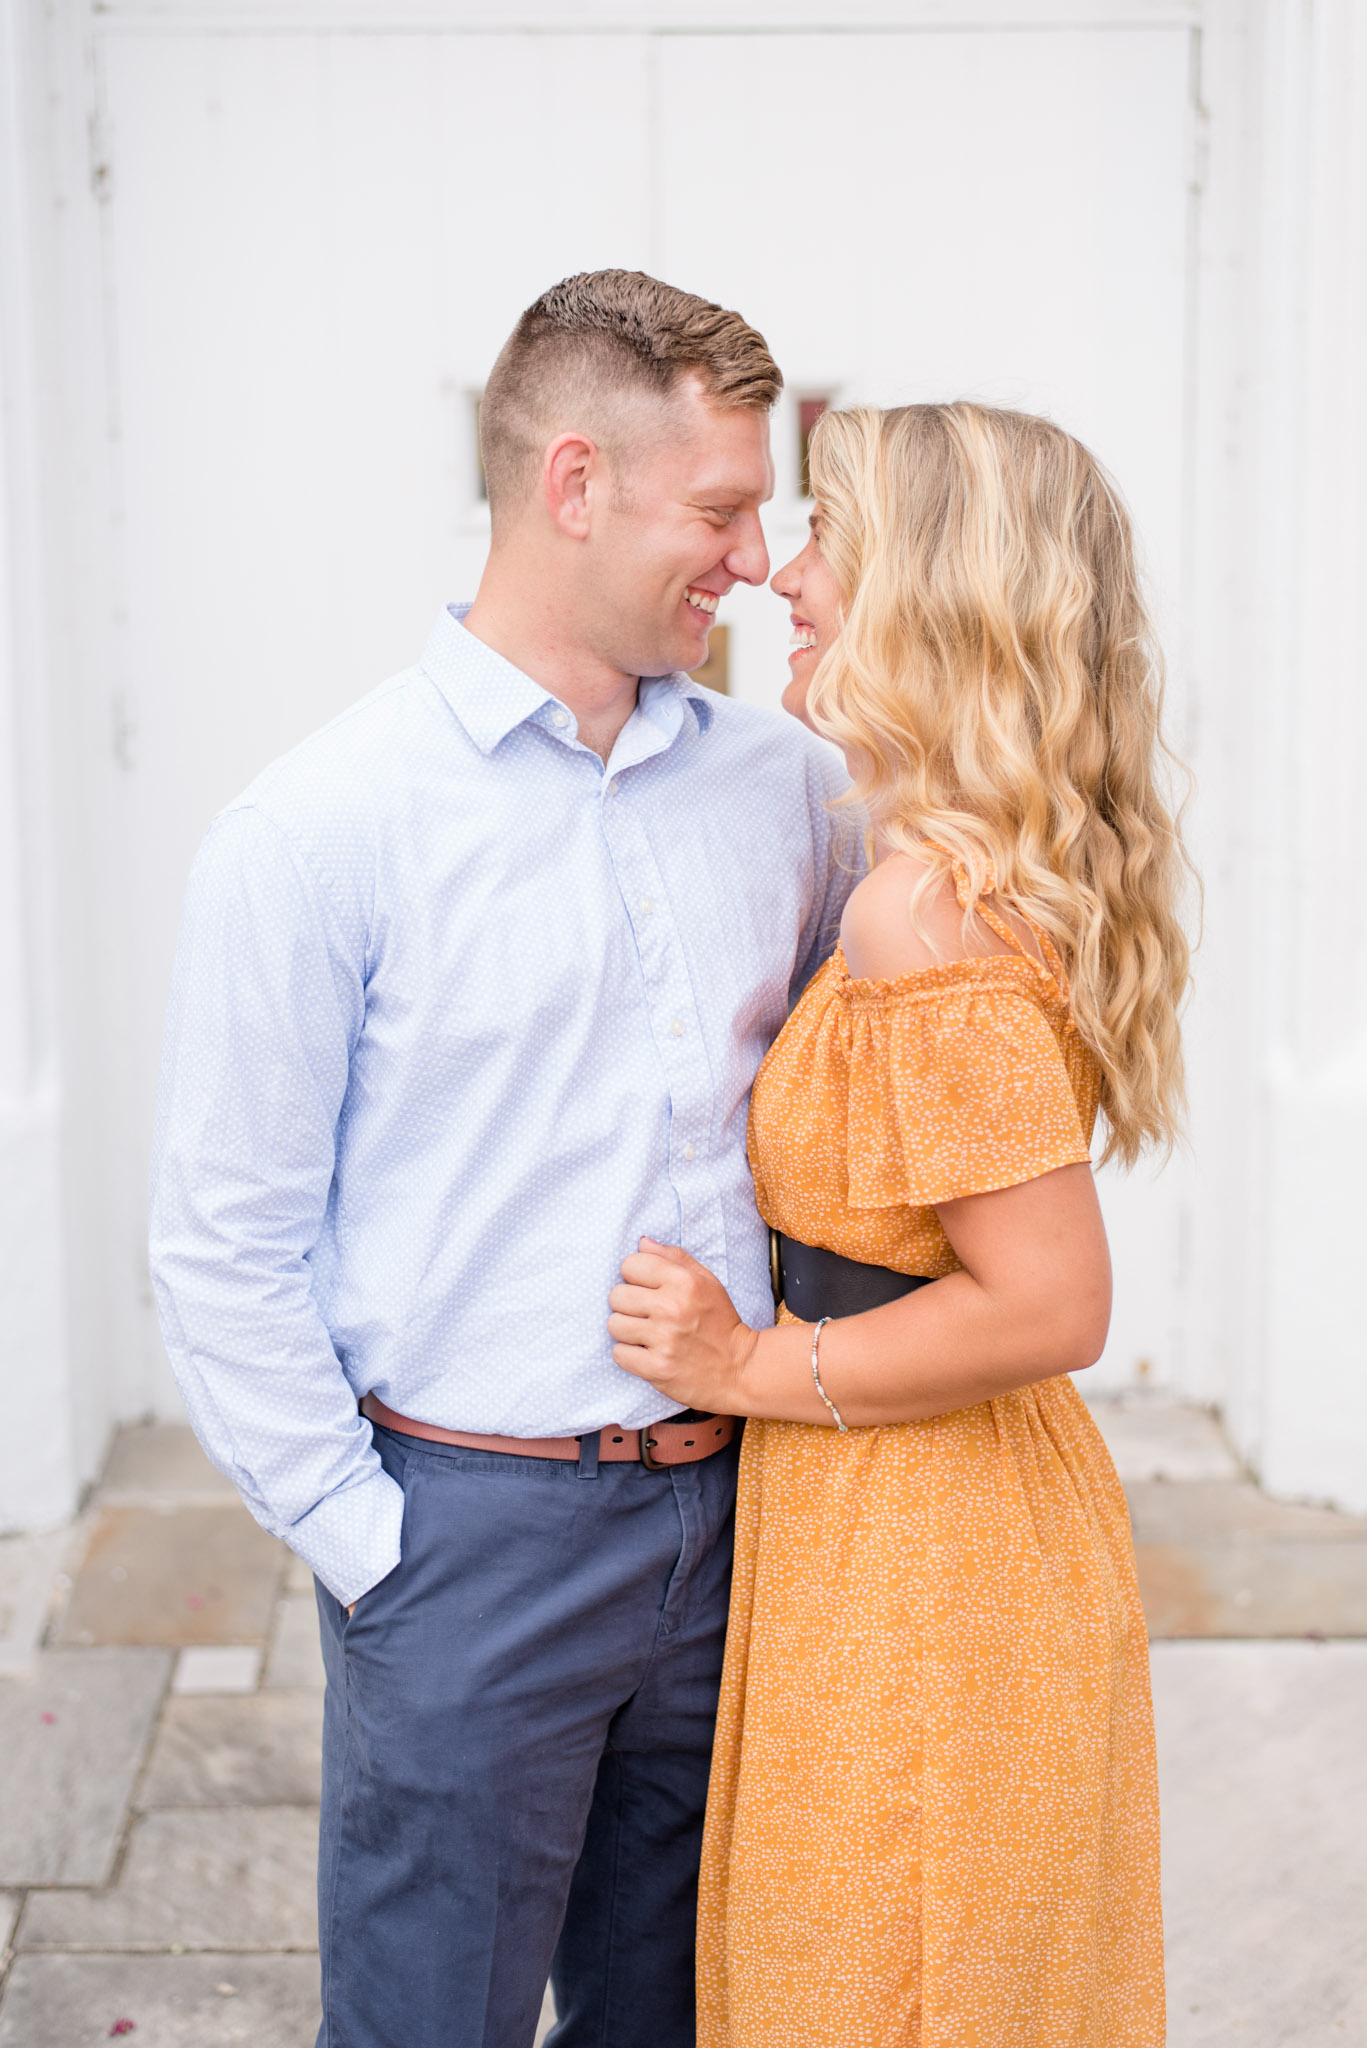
(815, 603)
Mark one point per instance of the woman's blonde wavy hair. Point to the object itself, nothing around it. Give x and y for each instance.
(996, 686)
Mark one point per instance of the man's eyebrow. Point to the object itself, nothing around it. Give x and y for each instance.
(727, 490)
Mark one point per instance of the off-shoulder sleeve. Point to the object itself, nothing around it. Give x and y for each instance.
(958, 1094)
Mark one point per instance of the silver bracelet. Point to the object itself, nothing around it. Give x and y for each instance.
(816, 1375)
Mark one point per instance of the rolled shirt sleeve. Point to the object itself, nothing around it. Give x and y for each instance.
(267, 1002)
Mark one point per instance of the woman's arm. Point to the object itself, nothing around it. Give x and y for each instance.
(1033, 1299)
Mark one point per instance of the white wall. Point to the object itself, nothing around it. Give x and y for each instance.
(272, 248)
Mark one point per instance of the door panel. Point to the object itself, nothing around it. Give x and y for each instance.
(941, 216)
(319, 245)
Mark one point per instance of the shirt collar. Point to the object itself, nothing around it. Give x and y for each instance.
(490, 697)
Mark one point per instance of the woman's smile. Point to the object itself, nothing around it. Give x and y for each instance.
(803, 640)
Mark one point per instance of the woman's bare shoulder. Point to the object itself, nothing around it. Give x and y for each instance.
(877, 935)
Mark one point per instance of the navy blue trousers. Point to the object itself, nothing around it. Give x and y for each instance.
(516, 1742)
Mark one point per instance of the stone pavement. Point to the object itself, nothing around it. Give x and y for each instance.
(160, 1703)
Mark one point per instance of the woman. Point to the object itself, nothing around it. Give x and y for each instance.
(933, 1817)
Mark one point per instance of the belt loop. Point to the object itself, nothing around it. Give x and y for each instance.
(588, 1454)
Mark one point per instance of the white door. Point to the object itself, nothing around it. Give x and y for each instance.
(317, 242)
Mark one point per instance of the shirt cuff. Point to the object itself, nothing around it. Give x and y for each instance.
(351, 1539)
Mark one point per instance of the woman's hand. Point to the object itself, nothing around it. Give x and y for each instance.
(672, 1323)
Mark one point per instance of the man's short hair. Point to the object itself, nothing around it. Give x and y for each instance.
(599, 338)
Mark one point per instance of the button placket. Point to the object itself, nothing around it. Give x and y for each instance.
(672, 1011)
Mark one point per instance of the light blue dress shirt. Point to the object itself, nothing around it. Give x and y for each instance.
(458, 1015)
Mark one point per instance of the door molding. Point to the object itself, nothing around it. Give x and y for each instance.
(628, 17)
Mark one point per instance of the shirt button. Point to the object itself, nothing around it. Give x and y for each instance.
(676, 1029)
(690, 1151)
(560, 718)
(647, 905)
(612, 787)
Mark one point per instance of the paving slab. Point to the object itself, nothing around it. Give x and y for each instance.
(160, 1461)
(175, 1576)
(1218, 1558)
(1263, 1767)
(1150, 1439)
(261, 1750)
(1215, 1511)
(232, 1877)
(218, 1667)
(73, 1733)
(28, 1569)
(295, 1656)
(10, 1903)
(204, 2001)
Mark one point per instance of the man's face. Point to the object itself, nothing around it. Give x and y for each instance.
(677, 528)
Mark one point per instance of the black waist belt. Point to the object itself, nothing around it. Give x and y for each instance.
(813, 1282)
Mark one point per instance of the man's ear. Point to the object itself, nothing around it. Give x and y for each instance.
(571, 465)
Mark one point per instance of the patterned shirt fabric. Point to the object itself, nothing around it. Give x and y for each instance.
(933, 1816)
(457, 1015)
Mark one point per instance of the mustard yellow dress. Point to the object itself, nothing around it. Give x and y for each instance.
(933, 1819)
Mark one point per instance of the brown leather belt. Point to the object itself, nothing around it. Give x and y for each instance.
(678, 1441)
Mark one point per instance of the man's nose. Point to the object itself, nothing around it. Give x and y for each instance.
(748, 558)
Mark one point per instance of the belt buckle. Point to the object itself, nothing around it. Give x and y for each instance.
(685, 1416)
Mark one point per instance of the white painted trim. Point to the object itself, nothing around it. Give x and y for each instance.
(634, 17)
(38, 1465)
(1279, 1052)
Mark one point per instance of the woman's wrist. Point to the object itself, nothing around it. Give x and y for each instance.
(773, 1376)
(745, 1341)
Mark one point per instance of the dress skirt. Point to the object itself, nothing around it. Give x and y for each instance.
(933, 1819)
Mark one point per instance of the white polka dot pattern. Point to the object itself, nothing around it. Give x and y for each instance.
(450, 1028)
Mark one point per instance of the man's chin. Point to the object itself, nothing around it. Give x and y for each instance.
(681, 646)
(678, 660)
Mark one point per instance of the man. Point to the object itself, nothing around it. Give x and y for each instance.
(470, 993)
